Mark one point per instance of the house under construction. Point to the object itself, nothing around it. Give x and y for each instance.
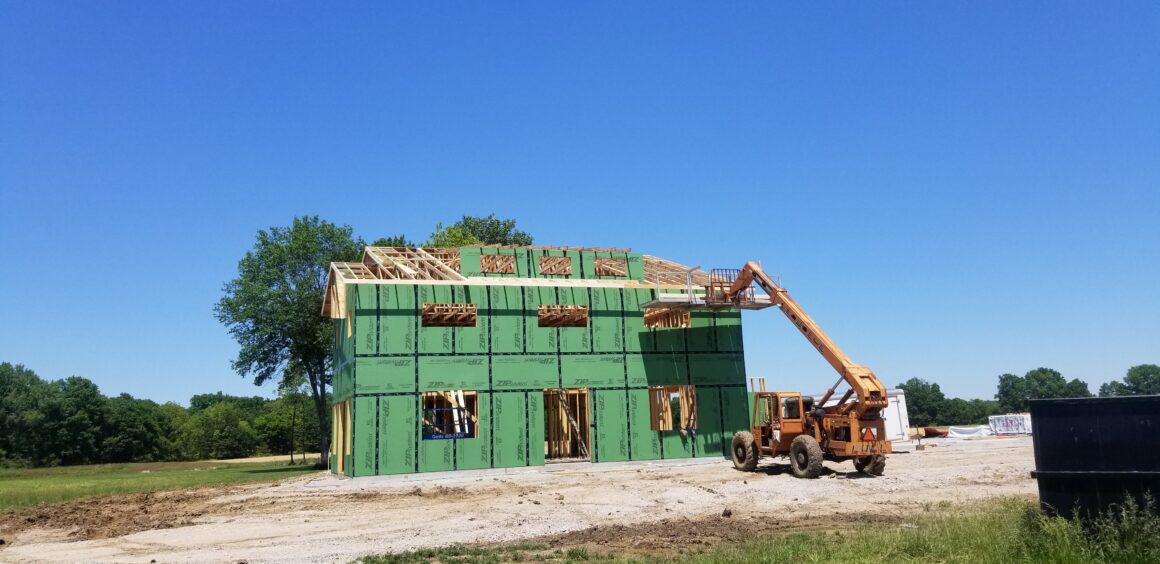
(494, 357)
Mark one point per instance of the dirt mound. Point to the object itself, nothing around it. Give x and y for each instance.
(113, 516)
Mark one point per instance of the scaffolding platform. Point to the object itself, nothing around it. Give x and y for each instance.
(697, 301)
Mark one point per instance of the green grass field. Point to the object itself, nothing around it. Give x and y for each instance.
(27, 487)
(997, 532)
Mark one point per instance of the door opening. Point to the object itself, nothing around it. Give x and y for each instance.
(567, 425)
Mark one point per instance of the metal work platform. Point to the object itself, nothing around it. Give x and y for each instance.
(697, 301)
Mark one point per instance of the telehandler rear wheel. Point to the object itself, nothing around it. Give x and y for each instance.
(805, 457)
(744, 451)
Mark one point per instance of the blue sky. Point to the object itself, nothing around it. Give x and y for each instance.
(953, 190)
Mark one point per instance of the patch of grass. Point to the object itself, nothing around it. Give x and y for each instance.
(999, 532)
(457, 554)
(27, 487)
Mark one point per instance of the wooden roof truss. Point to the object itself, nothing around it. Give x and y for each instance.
(441, 266)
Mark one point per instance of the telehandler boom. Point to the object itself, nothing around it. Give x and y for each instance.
(788, 424)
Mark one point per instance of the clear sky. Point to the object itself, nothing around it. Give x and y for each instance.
(953, 190)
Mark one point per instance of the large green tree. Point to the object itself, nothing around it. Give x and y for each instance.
(24, 400)
(1015, 393)
(393, 241)
(451, 236)
(220, 431)
(135, 431)
(79, 419)
(249, 404)
(493, 231)
(924, 400)
(273, 307)
(1142, 380)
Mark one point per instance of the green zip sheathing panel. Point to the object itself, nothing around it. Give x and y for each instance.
(507, 319)
(385, 374)
(610, 411)
(362, 447)
(510, 419)
(587, 265)
(524, 266)
(472, 340)
(452, 373)
(605, 317)
(646, 443)
(536, 428)
(701, 335)
(398, 428)
(538, 339)
(366, 319)
(436, 456)
(575, 339)
(709, 425)
(676, 445)
(592, 370)
(717, 368)
(397, 319)
(635, 266)
(435, 340)
(638, 338)
(669, 340)
(469, 261)
(736, 406)
(475, 452)
(728, 324)
(518, 372)
(657, 369)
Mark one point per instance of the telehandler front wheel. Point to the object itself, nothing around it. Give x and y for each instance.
(744, 451)
(873, 465)
(805, 457)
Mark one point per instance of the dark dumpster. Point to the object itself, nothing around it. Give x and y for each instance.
(1091, 453)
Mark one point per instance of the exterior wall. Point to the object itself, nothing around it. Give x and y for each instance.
(389, 359)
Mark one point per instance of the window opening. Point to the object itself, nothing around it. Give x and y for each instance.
(673, 408)
(497, 264)
(563, 315)
(450, 415)
(555, 265)
(610, 267)
(450, 315)
(667, 318)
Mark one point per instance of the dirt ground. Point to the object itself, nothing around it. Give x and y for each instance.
(668, 506)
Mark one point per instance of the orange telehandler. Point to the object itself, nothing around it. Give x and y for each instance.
(788, 424)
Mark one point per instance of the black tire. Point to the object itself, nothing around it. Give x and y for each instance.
(860, 464)
(744, 451)
(877, 466)
(805, 457)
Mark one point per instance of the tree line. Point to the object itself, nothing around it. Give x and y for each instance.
(69, 421)
(927, 405)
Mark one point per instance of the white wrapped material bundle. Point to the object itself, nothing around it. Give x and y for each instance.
(1011, 424)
